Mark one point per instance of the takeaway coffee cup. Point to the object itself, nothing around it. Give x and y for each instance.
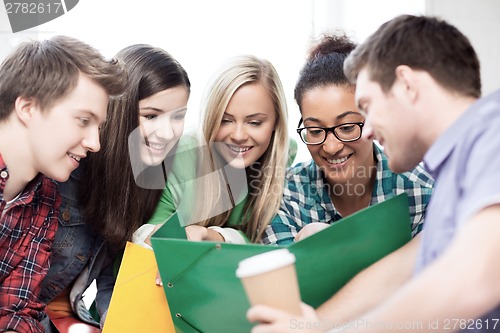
(269, 278)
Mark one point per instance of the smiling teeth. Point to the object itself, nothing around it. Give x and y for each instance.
(239, 149)
(340, 160)
(156, 145)
(76, 158)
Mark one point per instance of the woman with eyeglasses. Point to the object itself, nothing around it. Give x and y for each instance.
(347, 172)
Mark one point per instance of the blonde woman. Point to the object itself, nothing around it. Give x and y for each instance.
(241, 164)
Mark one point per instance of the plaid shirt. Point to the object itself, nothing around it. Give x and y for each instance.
(306, 199)
(27, 230)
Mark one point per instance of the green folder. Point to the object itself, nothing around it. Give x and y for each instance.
(204, 294)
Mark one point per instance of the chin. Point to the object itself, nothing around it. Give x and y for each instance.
(237, 165)
(60, 178)
(152, 163)
(149, 160)
(235, 162)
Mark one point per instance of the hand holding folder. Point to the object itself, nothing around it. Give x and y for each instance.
(205, 295)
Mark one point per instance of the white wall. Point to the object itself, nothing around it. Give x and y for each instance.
(203, 33)
(479, 20)
(360, 18)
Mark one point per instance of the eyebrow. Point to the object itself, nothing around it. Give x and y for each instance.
(360, 102)
(361, 109)
(152, 108)
(340, 116)
(94, 116)
(249, 116)
(345, 114)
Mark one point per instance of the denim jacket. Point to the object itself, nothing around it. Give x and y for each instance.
(78, 257)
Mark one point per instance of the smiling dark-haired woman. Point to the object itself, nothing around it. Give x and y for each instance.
(116, 190)
(347, 172)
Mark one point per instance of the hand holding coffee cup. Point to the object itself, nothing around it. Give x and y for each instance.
(270, 278)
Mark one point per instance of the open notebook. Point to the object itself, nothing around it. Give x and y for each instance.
(204, 294)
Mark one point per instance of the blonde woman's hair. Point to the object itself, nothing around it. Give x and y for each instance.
(265, 178)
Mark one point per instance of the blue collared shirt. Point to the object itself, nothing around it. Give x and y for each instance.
(465, 162)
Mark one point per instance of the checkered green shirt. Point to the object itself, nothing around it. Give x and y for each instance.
(306, 198)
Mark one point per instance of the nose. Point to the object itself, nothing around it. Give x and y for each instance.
(164, 130)
(332, 145)
(368, 133)
(91, 140)
(239, 133)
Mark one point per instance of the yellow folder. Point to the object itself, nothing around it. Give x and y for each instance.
(205, 295)
(137, 303)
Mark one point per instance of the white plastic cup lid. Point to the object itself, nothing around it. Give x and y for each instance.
(264, 262)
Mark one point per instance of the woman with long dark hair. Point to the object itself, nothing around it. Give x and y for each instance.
(117, 189)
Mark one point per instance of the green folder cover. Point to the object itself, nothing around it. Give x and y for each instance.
(204, 294)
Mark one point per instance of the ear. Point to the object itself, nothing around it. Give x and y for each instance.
(24, 108)
(408, 83)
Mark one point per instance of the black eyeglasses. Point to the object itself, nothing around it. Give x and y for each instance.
(314, 135)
